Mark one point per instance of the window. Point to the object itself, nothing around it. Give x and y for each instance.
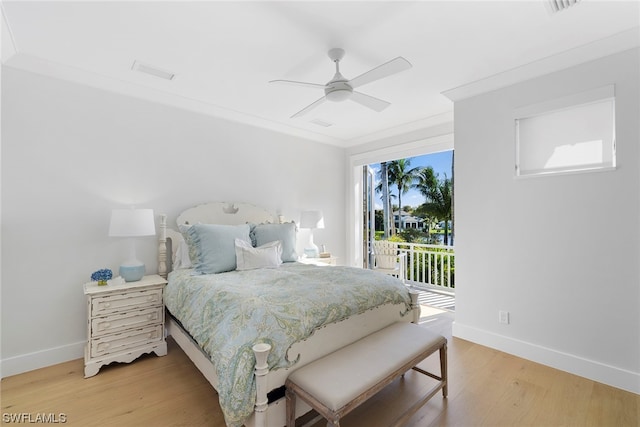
(567, 135)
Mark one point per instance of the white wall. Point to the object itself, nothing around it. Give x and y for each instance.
(71, 153)
(560, 253)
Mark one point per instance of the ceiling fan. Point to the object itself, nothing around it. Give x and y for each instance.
(340, 89)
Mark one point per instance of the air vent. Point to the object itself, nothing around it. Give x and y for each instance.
(321, 123)
(154, 71)
(560, 5)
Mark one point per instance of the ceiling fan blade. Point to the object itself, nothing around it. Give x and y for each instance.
(388, 68)
(310, 107)
(369, 101)
(291, 82)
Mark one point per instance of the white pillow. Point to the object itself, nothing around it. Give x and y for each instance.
(182, 259)
(268, 255)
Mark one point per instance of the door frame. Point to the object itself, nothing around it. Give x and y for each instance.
(355, 190)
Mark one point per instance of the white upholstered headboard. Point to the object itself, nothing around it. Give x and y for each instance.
(225, 213)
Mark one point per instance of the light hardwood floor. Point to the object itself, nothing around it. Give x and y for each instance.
(486, 388)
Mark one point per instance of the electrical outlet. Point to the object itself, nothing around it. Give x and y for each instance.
(503, 317)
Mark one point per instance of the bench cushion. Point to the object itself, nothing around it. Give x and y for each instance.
(343, 375)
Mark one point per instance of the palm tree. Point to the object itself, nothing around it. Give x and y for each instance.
(383, 187)
(403, 178)
(426, 180)
(438, 197)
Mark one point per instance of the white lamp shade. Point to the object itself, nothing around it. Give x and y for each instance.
(132, 223)
(311, 219)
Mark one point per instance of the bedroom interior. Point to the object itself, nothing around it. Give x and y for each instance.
(83, 134)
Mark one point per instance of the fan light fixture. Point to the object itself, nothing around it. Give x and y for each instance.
(339, 92)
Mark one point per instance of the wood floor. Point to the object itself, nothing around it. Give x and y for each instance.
(486, 388)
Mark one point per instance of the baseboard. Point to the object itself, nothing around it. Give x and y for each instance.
(41, 359)
(596, 371)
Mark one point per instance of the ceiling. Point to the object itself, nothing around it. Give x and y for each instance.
(224, 54)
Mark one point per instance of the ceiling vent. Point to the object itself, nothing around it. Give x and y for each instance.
(560, 5)
(321, 123)
(154, 71)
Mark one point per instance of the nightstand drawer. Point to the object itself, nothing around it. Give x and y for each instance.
(130, 339)
(119, 302)
(117, 322)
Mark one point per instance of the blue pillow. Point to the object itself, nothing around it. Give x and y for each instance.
(215, 246)
(286, 233)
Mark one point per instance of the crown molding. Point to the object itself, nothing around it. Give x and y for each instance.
(403, 129)
(620, 42)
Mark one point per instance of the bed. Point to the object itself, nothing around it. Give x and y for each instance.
(247, 328)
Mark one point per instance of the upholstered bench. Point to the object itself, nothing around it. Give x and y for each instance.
(339, 382)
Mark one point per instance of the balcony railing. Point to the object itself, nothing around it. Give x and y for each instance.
(429, 266)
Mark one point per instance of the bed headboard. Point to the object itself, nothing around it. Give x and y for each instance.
(225, 213)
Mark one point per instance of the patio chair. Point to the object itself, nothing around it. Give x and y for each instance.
(387, 260)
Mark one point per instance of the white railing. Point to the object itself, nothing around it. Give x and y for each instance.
(431, 266)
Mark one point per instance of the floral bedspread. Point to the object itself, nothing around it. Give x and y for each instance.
(228, 313)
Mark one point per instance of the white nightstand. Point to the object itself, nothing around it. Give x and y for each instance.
(319, 261)
(124, 321)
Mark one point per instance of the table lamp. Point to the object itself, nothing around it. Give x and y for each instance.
(132, 223)
(311, 220)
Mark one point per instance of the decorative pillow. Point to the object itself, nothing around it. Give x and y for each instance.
(215, 246)
(265, 256)
(286, 233)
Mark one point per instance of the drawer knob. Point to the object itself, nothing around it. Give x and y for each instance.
(149, 316)
(107, 304)
(150, 298)
(106, 325)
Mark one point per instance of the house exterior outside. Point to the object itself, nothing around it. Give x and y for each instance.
(408, 221)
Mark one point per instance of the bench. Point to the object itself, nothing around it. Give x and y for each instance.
(336, 384)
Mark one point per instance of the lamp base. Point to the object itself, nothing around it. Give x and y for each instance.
(132, 273)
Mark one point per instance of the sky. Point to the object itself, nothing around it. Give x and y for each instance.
(441, 164)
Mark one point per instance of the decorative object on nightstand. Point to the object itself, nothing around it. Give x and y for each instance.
(132, 223)
(324, 253)
(311, 220)
(124, 321)
(101, 276)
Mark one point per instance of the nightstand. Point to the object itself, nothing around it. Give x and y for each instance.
(319, 261)
(124, 321)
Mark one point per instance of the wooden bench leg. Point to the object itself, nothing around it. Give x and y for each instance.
(291, 408)
(443, 369)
